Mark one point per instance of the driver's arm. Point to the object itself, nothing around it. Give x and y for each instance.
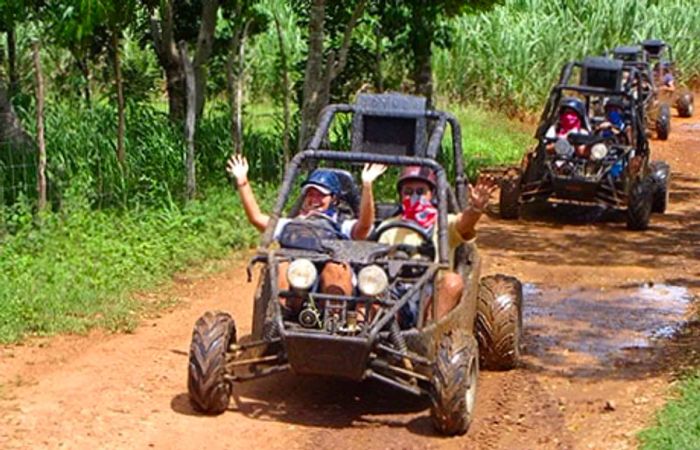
(363, 226)
(478, 199)
(237, 166)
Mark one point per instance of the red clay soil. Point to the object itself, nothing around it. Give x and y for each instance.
(601, 303)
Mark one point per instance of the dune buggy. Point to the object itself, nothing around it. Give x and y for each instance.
(657, 106)
(359, 336)
(598, 167)
(660, 56)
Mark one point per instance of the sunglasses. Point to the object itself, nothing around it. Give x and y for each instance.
(408, 191)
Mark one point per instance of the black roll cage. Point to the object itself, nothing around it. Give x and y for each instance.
(442, 191)
(564, 85)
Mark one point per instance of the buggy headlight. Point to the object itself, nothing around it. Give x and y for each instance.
(372, 280)
(563, 148)
(599, 151)
(301, 274)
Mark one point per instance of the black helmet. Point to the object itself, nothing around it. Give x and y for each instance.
(574, 104)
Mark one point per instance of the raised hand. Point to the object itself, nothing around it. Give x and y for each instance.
(371, 172)
(480, 193)
(237, 166)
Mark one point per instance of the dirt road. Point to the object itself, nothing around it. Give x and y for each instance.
(602, 308)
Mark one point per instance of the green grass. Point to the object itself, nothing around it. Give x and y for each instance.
(678, 423)
(509, 57)
(491, 139)
(77, 269)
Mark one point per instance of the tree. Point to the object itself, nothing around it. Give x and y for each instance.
(173, 21)
(321, 70)
(427, 27)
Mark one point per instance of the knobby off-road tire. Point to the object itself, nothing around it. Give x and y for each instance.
(499, 321)
(685, 105)
(661, 174)
(639, 204)
(663, 122)
(455, 380)
(509, 197)
(213, 333)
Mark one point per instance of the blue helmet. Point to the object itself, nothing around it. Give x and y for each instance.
(324, 180)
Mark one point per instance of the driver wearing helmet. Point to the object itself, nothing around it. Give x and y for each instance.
(614, 124)
(416, 188)
(663, 72)
(572, 119)
(320, 194)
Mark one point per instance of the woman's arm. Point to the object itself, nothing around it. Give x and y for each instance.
(237, 166)
(364, 223)
(478, 199)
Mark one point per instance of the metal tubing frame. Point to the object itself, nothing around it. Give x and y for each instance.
(328, 113)
(350, 157)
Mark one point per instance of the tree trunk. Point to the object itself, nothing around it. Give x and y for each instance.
(205, 40)
(169, 59)
(312, 80)
(164, 42)
(378, 76)
(82, 64)
(317, 88)
(235, 83)
(121, 154)
(422, 38)
(12, 61)
(190, 122)
(286, 88)
(41, 168)
(12, 134)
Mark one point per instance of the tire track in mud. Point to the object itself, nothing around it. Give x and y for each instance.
(576, 388)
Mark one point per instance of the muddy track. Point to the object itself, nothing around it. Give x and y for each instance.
(602, 307)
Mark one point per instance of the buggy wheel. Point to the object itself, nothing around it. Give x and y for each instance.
(455, 380)
(499, 321)
(663, 122)
(661, 174)
(209, 391)
(639, 203)
(509, 197)
(685, 105)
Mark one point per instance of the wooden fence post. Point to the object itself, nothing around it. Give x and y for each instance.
(41, 167)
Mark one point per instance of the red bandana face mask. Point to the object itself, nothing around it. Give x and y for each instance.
(568, 121)
(419, 210)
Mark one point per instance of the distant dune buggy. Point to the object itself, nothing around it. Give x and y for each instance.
(660, 56)
(608, 167)
(656, 103)
(330, 335)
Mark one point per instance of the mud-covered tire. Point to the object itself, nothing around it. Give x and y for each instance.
(509, 196)
(455, 381)
(209, 391)
(661, 174)
(499, 322)
(663, 122)
(639, 204)
(685, 105)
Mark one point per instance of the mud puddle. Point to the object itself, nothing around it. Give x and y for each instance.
(582, 332)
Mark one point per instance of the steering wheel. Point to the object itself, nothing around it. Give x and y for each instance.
(426, 248)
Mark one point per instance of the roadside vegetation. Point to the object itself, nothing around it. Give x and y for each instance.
(678, 423)
(120, 216)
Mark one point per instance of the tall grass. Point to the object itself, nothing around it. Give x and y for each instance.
(509, 58)
(81, 156)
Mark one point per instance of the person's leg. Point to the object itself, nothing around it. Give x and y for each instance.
(336, 278)
(449, 291)
(292, 304)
